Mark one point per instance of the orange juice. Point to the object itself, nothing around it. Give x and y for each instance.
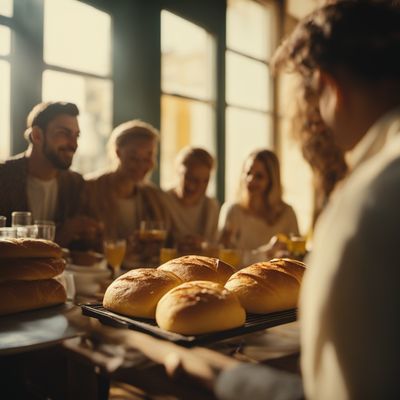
(114, 252)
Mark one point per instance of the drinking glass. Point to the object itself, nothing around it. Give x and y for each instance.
(3, 221)
(22, 221)
(114, 251)
(8, 232)
(21, 218)
(150, 239)
(45, 229)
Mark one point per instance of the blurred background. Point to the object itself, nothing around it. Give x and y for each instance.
(197, 70)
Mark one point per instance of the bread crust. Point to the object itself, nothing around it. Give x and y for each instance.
(191, 267)
(29, 248)
(198, 307)
(29, 269)
(264, 288)
(137, 292)
(17, 296)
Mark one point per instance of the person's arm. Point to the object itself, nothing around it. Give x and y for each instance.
(257, 382)
(227, 226)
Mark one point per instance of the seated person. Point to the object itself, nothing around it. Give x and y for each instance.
(39, 180)
(194, 214)
(252, 222)
(123, 197)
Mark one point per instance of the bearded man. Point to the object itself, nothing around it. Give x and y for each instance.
(39, 180)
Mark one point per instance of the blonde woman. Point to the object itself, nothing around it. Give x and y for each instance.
(123, 196)
(260, 213)
(194, 214)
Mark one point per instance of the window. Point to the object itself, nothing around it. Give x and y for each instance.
(187, 85)
(249, 110)
(6, 10)
(78, 70)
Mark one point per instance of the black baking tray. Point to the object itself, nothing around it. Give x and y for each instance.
(254, 322)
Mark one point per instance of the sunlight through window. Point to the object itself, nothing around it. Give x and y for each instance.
(6, 8)
(5, 40)
(4, 109)
(187, 83)
(77, 36)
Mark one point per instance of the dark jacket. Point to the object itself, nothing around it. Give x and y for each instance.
(13, 190)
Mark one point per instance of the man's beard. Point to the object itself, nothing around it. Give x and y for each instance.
(53, 157)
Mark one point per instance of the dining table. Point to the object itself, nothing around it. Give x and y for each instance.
(59, 353)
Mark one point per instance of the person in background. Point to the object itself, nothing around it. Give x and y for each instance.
(346, 54)
(194, 214)
(39, 180)
(123, 196)
(253, 222)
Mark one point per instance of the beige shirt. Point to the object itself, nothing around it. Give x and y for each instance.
(350, 297)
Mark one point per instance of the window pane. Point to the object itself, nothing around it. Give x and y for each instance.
(5, 35)
(248, 28)
(6, 8)
(184, 123)
(245, 131)
(247, 82)
(94, 98)
(187, 58)
(77, 36)
(4, 109)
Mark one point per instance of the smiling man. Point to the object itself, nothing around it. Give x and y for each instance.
(39, 180)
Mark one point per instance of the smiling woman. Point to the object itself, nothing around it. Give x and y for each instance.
(122, 197)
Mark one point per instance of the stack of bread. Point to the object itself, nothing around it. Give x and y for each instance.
(187, 295)
(27, 267)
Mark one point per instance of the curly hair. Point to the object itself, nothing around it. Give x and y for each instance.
(360, 37)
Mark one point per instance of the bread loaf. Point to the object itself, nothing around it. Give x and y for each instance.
(199, 307)
(191, 268)
(137, 292)
(16, 296)
(295, 268)
(29, 248)
(29, 269)
(265, 287)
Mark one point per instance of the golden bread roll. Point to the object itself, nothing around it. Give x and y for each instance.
(292, 267)
(264, 287)
(16, 296)
(29, 269)
(29, 248)
(199, 268)
(199, 307)
(137, 292)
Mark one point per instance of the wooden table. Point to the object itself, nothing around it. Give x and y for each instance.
(61, 354)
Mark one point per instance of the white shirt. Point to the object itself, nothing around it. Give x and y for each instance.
(250, 232)
(42, 198)
(200, 219)
(350, 297)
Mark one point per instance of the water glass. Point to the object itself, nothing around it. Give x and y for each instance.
(8, 232)
(21, 218)
(45, 229)
(3, 221)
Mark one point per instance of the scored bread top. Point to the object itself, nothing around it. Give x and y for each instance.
(29, 248)
(191, 267)
(198, 307)
(293, 267)
(137, 292)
